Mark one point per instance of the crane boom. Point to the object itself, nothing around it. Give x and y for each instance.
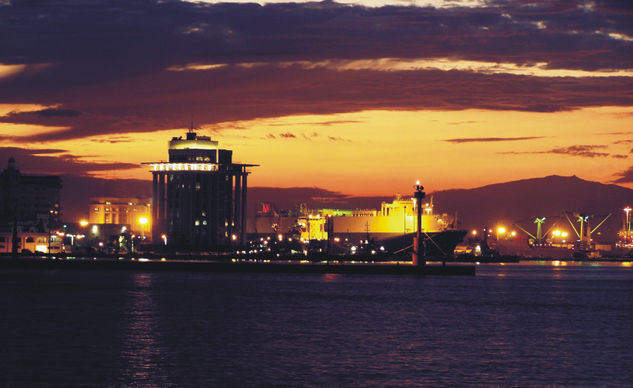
(572, 224)
(602, 222)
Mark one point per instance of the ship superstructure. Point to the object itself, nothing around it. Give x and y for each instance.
(392, 226)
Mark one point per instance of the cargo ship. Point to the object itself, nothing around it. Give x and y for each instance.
(387, 231)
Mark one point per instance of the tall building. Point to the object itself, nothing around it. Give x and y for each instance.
(29, 202)
(135, 212)
(199, 196)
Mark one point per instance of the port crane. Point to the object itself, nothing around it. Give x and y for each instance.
(584, 231)
(540, 238)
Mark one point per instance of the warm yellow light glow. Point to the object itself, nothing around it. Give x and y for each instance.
(184, 167)
(474, 232)
(501, 230)
(143, 220)
(83, 223)
(556, 233)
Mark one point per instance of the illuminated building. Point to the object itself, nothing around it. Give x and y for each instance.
(29, 202)
(31, 242)
(122, 211)
(199, 196)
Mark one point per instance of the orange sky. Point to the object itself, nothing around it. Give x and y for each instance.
(383, 152)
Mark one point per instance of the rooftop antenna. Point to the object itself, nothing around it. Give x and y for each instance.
(191, 125)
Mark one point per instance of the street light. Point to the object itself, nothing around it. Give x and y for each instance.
(83, 223)
(143, 221)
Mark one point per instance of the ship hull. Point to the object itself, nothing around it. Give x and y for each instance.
(439, 245)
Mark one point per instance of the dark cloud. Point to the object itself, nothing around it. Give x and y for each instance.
(338, 138)
(587, 151)
(625, 176)
(287, 135)
(623, 141)
(51, 112)
(103, 62)
(165, 99)
(57, 161)
(490, 139)
(617, 156)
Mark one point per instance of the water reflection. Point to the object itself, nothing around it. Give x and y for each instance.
(140, 348)
(330, 277)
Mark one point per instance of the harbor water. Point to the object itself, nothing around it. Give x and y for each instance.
(526, 324)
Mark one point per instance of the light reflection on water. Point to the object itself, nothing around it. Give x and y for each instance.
(140, 348)
(534, 323)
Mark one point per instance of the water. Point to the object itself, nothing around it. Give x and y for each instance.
(521, 324)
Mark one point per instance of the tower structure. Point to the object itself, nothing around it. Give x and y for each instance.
(199, 196)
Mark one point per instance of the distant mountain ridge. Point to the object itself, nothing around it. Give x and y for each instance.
(523, 200)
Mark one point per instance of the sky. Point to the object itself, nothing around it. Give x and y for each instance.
(357, 97)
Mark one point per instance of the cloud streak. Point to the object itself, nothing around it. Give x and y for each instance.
(586, 151)
(490, 139)
(58, 161)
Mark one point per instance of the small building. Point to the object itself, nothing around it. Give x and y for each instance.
(199, 196)
(133, 212)
(31, 242)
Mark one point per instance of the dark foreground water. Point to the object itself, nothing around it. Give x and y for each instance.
(522, 324)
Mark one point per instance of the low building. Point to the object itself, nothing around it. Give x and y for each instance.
(31, 243)
(135, 213)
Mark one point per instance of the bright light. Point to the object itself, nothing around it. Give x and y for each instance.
(123, 229)
(564, 234)
(513, 233)
(417, 183)
(474, 232)
(83, 223)
(233, 237)
(280, 237)
(95, 229)
(556, 233)
(142, 220)
(164, 237)
(501, 230)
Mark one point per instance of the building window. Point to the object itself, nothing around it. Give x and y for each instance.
(29, 240)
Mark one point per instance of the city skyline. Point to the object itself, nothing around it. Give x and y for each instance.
(359, 98)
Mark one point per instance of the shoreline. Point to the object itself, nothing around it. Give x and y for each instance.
(265, 266)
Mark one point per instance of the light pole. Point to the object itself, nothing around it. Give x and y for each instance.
(419, 258)
(627, 210)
